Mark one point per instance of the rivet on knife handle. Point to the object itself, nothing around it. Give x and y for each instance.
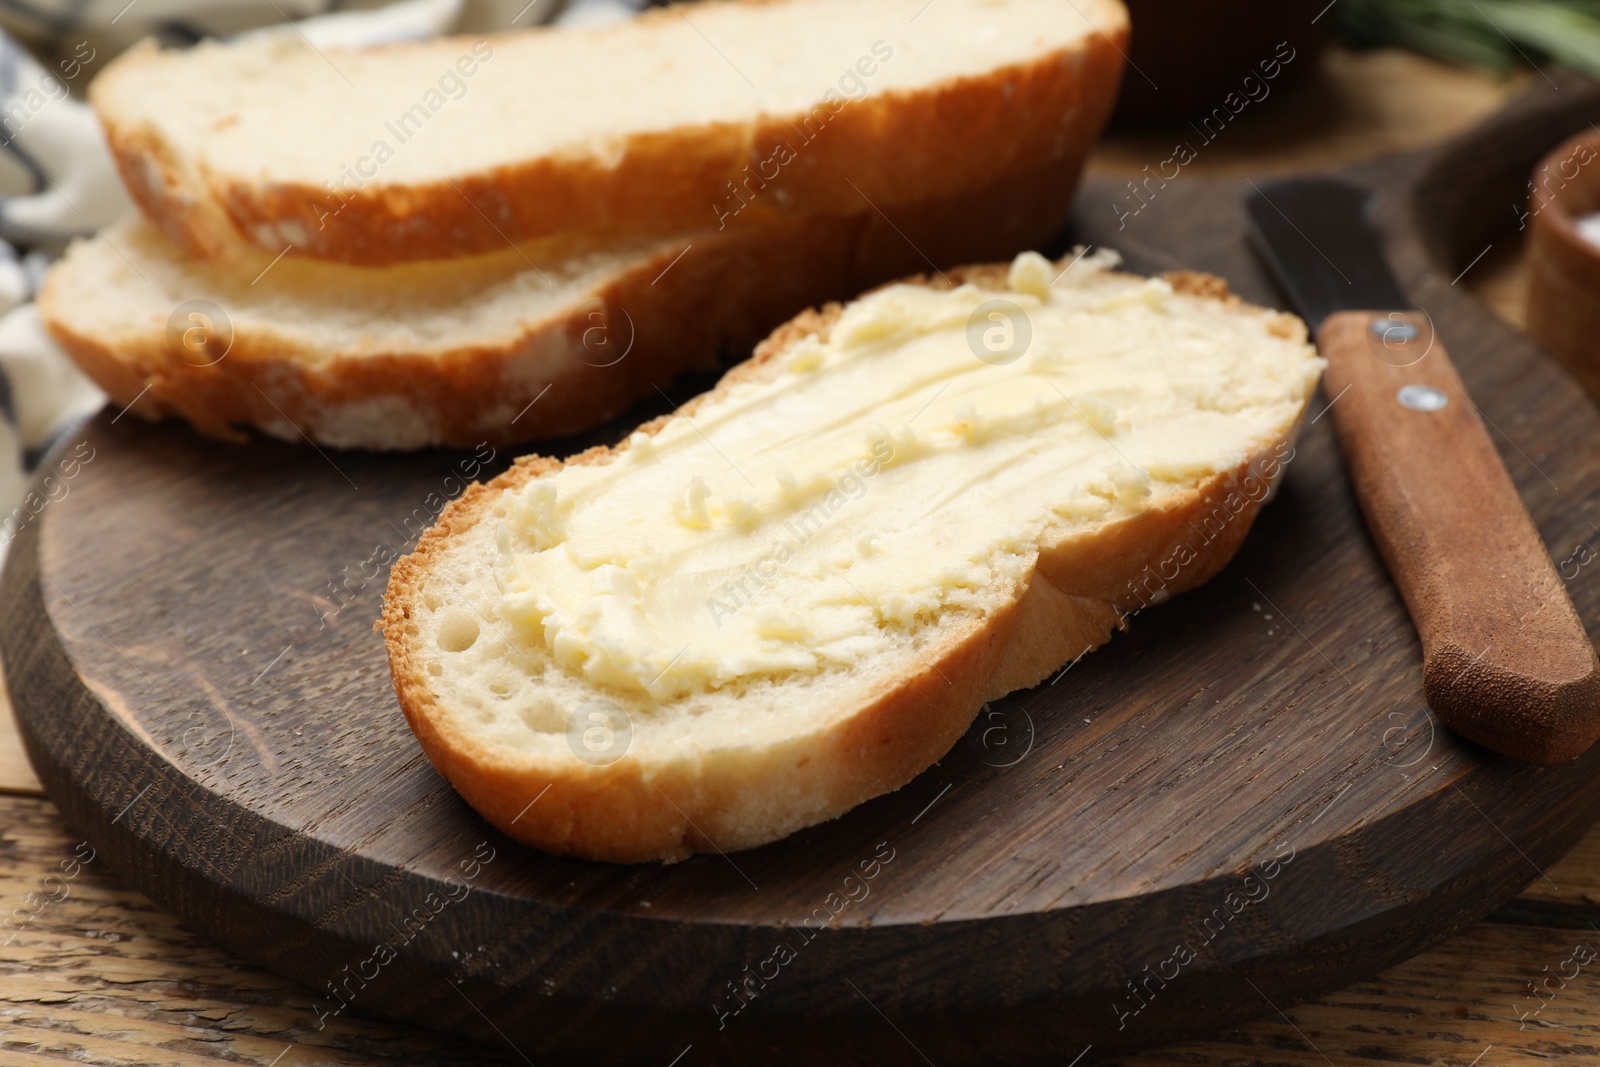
(1506, 660)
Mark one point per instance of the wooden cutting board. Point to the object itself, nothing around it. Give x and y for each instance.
(1241, 803)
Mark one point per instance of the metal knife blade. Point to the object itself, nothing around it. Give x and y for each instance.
(1317, 238)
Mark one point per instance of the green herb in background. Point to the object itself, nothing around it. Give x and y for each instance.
(1489, 33)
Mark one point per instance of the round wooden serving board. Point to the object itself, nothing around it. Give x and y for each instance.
(1241, 803)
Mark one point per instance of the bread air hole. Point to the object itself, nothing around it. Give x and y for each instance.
(458, 631)
(543, 715)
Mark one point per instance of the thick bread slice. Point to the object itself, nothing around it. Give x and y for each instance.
(538, 602)
(454, 352)
(701, 116)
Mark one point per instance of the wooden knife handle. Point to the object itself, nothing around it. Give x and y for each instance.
(1506, 660)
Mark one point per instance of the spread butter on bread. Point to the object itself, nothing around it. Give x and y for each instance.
(797, 591)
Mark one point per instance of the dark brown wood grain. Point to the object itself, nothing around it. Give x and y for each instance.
(99, 975)
(1506, 660)
(1240, 804)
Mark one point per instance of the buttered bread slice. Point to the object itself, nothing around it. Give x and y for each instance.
(796, 592)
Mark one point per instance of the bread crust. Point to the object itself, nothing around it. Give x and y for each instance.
(886, 150)
(670, 315)
(638, 810)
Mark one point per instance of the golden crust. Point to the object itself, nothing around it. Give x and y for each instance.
(726, 292)
(634, 811)
(891, 149)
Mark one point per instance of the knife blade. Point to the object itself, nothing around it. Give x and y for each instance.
(1506, 659)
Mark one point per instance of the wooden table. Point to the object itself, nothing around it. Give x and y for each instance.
(95, 973)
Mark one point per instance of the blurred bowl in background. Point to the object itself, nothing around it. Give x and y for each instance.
(1564, 265)
(1188, 55)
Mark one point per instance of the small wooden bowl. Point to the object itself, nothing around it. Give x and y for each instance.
(1187, 56)
(1564, 267)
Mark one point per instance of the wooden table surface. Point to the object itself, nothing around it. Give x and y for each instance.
(94, 973)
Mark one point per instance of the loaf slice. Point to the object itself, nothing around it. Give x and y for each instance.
(702, 115)
(796, 592)
(541, 340)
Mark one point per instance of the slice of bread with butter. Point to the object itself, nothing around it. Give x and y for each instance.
(796, 592)
(696, 116)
